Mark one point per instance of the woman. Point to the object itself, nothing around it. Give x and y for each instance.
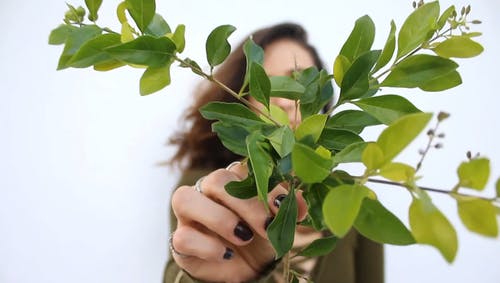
(219, 238)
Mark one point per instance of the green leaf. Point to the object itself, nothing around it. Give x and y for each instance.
(158, 26)
(145, 50)
(377, 223)
(356, 81)
(93, 6)
(352, 120)
(416, 28)
(337, 139)
(430, 226)
(231, 113)
(351, 153)
(308, 165)
(60, 34)
(108, 65)
(341, 207)
(398, 172)
(399, 134)
(217, 46)
(232, 137)
(253, 53)
(340, 67)
(74, 41)
(314, 198)
(458, 47)
(418, 70)
(178, 38)
(93, 51)
(142, 11)
(282, 140)
(444, 17)
(282, 230)
(319, 98)
(478, 216)
(474, 173)
(319, 247)
(244, 189)
(447, 81)
(312, 126)
(497, 187)
(360, 40)
(278, 114)
(155, 79)
(261, 162)
(372, 157)
(260, 86)
(388, 50)
(387, 108)
(284, 86)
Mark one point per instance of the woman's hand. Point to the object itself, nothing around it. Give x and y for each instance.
(222, 238)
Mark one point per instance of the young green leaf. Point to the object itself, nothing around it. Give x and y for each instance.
(178, 38)
(155, 79)
(260, 86)
(261, 162)
(474, 173)
(142, 11)
(312, 126)
(93, 6)
(355, 83)
(231, 114)
(319, 247)
(377, 223)
(244, 189)
(352, 120)
(232, 137)
(282, 140)
(398, 172)
(341, 207)
(351, 153)
(60, 34)
(217, 47)
(416, 28)
(158, 26)
(108, 65)
(497, 187)
(388, 50)
(278, 114)
(127, 32)
(340, 67)
(399, 134)
(418, 70)
(282, 230)
(92, 52)
(440, 83)
(75, 40)
(444, 17)
(387, 108)
(360, 40)
(372, 157)
(337, 139)
(284, 86)
(478, 216)
(430, 226)
(314, 198)
(458, 47)
(308, 165)
(145, 50)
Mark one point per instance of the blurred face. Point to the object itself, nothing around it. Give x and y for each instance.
(281, 58)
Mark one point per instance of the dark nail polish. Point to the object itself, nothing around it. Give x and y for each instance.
(269, 219)
(242, 231)
(228, 254)
(278, 200)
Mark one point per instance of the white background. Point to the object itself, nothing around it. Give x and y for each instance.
(82, 195)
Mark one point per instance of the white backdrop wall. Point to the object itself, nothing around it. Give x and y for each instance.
(82, 197)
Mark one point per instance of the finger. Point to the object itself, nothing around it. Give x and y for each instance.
(189, 241)
(192, 207)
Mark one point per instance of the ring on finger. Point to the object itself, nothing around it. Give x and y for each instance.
(197, 185)
(232, 165)
(171, 246)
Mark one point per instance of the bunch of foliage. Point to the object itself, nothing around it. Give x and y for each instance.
(307, 156)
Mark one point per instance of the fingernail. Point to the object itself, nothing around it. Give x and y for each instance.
(228, 254)
(278, 200)
(269, 219)
(242, 231)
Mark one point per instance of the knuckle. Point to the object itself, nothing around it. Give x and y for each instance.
(181, 239)
(180, 197)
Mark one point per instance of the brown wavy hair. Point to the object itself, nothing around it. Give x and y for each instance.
(198, 146)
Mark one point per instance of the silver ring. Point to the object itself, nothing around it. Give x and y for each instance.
(197, 185)
(233, 164)
(171, 246)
